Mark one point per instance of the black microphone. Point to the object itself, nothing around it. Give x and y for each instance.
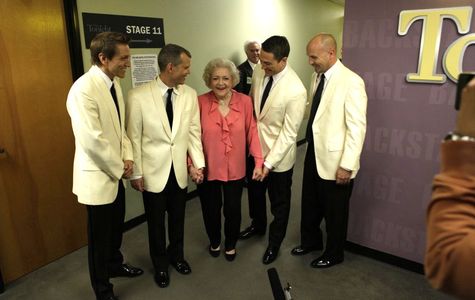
(275, 284)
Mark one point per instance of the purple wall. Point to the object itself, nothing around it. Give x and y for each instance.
(406, 122)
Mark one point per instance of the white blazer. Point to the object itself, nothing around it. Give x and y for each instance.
(339, 126)
(155, 145)
(279, 121)
(100, 139)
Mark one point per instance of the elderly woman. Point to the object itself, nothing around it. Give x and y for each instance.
(228, 132)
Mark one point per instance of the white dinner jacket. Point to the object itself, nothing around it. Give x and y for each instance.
(279, 121)
(155, 145)
(100, 139)
(339, 126)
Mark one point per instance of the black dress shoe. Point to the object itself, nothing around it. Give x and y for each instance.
(126, 270)
(270, 255)
(162, 279)
(182, 267)
(213, 253)
(301, 250)
(249, 232)
(110, 297)
(325, 262)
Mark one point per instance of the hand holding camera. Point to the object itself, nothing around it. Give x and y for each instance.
(465, 125)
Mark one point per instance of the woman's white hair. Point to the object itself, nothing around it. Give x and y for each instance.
(220, 63)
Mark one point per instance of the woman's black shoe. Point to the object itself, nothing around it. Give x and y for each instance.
(213, 253)
(230, 257)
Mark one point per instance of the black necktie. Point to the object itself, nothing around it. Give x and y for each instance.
(169, 107)
(114, 96)
(315, 103)
(266, 92)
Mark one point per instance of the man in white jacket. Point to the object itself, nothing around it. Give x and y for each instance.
(103, 157)
(335, 136)
(163, 123)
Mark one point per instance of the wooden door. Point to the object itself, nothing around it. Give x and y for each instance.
(40, 219)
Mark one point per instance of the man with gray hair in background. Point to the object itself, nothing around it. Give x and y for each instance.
(252, 49)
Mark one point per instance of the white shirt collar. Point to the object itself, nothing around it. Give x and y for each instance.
(104, 76)
(164, 88)
(280, 74)
(253, 65)
(331, 70)
(275, 78)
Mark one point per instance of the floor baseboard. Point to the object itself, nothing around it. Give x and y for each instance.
(385, 257)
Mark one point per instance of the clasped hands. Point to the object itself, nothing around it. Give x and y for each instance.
(128, 171)
(197, 175)
(259, 174)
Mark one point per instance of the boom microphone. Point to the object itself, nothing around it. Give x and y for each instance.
(275, 284)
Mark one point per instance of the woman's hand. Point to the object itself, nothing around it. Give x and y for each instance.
(196, 174)
(257, 174)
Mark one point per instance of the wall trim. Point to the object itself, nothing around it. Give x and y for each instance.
(385, 257)
(136, 221)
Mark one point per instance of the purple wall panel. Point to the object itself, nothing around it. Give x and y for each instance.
(406, 122)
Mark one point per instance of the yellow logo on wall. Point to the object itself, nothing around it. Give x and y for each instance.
(432, 20)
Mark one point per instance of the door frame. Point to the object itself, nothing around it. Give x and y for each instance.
(2, 285)
(74, 38)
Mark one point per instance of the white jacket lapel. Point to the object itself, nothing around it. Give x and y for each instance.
(105, 94)
(327, 94)
(178, 109)
(270, 97)
(162, 113)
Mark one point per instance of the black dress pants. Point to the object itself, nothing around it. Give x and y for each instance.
(214, 196)
(279, 186)
(323, 199)
(105, 227)
(256, 195)
(172, 200)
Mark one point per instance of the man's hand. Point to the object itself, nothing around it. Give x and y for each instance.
(342, 176)
(128, 169)
(138, 184)
(265, 172)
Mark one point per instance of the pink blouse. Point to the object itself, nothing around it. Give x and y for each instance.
(225, 138)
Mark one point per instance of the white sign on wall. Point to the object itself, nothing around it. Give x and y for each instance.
(144, 68)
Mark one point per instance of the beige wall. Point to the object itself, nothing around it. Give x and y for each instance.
(218, 28)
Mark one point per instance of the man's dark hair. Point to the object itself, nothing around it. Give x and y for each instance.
(277, 45)
(106, 43)
(171, 53)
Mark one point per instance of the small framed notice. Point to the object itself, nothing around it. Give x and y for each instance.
(144, 68)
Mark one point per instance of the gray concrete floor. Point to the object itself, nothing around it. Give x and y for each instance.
(359, 277)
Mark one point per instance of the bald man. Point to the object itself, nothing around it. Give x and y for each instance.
(335, 136)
